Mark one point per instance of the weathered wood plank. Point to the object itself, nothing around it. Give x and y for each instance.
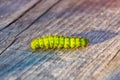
(8, 35)
(11, 10)
(39, 70)
(18, 62)
(112, 69)
(91, 71)
(24, 55)
(31, 33)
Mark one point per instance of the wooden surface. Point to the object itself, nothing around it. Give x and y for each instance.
(23, 20)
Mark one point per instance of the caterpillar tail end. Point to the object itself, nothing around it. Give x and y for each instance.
(33, 45)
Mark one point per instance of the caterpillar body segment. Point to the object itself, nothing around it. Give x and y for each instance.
(58, 42)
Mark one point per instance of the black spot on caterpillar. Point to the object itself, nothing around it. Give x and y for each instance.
(59, 42)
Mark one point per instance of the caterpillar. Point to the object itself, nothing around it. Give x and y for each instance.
(59, 42)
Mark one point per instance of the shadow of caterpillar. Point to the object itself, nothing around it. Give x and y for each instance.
(59, 42)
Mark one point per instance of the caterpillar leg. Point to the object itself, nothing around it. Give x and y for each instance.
(82, 46)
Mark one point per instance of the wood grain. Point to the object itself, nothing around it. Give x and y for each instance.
(10, 11)
(8, 35)
(93, 19)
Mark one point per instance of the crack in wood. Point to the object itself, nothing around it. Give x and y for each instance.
(114, 57)
(17, 36)
(38, 18)
(9, 46)
(21, 15)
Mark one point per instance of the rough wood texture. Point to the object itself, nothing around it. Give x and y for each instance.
(11, 10)
(97, 20)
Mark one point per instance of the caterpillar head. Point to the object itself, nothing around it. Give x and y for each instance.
(87, 41)
(34, 44)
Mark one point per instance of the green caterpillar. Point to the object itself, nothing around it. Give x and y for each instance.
(59, 42)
